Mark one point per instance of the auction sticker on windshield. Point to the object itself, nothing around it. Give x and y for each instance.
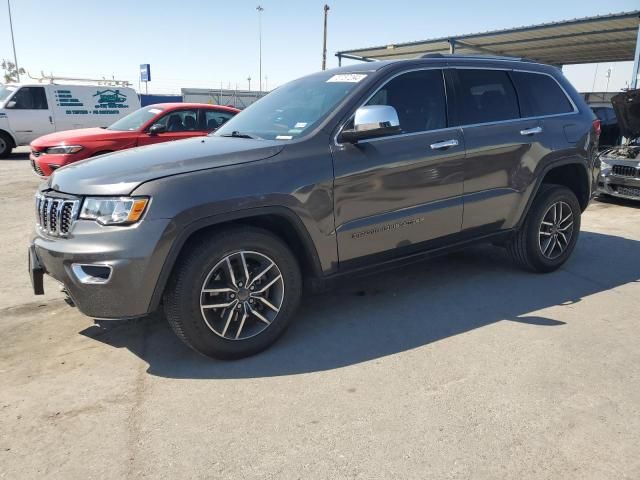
(347, 77)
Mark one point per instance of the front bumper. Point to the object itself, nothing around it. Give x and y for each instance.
(619, 186)
(134, 254)
(44, 164)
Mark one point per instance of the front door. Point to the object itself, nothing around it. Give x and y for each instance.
(393, 193)
(29, 115)
(179, 124)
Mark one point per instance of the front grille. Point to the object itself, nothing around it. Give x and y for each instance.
(36, 168)
(625, 171)
(55, 215)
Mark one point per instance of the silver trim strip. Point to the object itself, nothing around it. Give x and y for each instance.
(83, 277)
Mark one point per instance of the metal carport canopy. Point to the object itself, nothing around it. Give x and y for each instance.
(604, 38)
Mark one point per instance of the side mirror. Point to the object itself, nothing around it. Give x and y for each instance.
(157, 128)
(372, 121)
(11, 104)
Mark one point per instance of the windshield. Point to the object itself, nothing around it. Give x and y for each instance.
(292, 109)
(134, 121)
(5, 91)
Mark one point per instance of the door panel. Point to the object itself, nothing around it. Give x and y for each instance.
(395, 192)
(30, 118)
(499, 166)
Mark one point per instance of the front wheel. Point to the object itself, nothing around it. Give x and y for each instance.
(550, 231)
(233, 293)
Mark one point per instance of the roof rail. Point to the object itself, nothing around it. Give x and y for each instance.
(479, 55)
(104, 81)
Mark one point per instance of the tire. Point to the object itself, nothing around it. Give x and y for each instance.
(528, 245)
(6, 145)
(213, 332)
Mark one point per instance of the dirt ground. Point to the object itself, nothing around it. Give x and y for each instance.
(462, 367)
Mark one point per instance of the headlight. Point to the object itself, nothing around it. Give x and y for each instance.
(113, 211)
(604, 165)
(64, 149)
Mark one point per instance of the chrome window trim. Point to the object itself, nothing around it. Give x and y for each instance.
(454, 67)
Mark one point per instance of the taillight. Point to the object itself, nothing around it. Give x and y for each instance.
(597, 127)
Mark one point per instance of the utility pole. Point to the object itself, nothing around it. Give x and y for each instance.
(260, 10)
(249, 80)
(13, 42)
(324, 40)
(608, 75)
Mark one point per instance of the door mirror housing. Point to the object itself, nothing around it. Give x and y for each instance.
(157, 128)
(372, 121)
(11, 104)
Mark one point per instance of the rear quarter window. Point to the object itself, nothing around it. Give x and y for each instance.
(540, 94)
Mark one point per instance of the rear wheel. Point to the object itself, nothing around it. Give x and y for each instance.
(234, 293)
(6, 145)
(550, 232)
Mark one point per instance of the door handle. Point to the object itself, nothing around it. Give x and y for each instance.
(531, 131)
(444, 144)
(50, 119)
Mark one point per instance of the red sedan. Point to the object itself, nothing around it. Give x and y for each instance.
(162, 122)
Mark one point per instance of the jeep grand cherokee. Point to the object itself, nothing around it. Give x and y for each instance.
(335, 172)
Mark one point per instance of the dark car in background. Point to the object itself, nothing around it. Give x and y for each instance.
(157, 123)
(334, 173)
(620, 165)
(610, 130)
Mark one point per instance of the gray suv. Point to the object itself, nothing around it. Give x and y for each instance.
(336, 172)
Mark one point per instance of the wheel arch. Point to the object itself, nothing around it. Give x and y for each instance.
(571, 173)
(280, 221)
(11, 137)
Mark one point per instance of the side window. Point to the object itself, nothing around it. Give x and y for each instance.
(419, 99)
(214, 119)
(180, 121)
(540, 95)
(485, 96)
(30, 98)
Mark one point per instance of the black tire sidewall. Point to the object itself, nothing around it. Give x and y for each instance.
(548, 197)
(4, 153)
(183, 296)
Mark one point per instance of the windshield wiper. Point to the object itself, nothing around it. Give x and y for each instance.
(237, 134)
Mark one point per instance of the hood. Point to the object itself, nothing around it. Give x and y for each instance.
(69, 137)
(119, 173)
(627, 107)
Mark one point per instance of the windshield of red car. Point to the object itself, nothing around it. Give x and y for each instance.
(134, 121)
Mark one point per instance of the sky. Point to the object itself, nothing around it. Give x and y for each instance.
(209, 43)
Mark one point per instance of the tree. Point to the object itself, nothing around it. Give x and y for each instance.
(10, 72)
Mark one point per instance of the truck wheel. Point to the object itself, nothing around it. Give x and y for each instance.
(6, 145)
(550, 231)
(234, 293)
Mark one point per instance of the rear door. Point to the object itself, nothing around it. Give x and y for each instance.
(214, 119)
(503, 149)
(392, 193)
(179, 124)
(30, 117)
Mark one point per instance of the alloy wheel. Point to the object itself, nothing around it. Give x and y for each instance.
(556, 230)
(242, 295)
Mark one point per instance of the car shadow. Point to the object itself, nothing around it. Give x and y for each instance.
(624, 202)
(22, 154)
(386, 313)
